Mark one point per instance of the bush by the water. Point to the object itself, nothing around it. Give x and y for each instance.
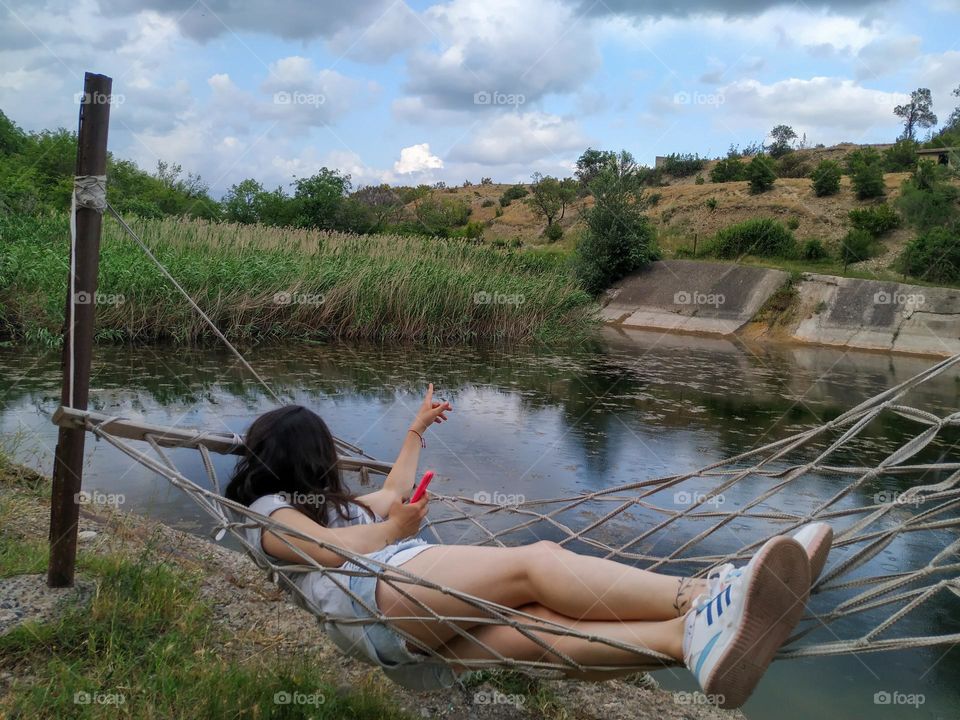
(826, 178)
(933, 256)
(763, 237)
(256, 282)
(877, 220)
(761, 174)
(619, 238)
(856, 246)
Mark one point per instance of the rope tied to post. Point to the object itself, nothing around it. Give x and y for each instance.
(90, 191)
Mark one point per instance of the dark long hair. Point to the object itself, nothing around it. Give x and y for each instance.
(290, 451)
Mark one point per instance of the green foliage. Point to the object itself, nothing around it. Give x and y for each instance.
(917, 113)
(793, 222)
(901, 156)
(783, 137)
(763, 237)
(590, 163)
(927, 200)
(933, 256)
(488, 203)
(438, 216)
(865, 166)
(553, 232)
(826, 178)
(729, 169)
(760, 174)
(794, 165)
(148, 641)
(377, 287)
(619, 238)
(682, 164)
(514, 192)
(877, 220)
(711, 203)
(699, 180)
(812, 250)
(549, 196)
(856, 246)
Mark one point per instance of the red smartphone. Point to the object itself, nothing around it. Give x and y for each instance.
(422, 487)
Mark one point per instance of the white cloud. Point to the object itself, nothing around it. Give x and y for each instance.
(521, 138)
(886, 55)
(528, 49)
(827, 109)
(417, 159)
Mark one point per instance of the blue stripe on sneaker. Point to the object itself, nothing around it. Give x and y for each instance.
(706, 651)
(728, 594)
(709, 613)
(719, 604)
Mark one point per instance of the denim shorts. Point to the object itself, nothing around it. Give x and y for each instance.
(383, 645)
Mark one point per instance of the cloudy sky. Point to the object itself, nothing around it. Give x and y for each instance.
(409, 92)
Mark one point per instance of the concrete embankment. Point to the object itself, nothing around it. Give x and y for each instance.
(724, 299)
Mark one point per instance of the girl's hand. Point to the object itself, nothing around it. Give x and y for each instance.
(430, 412)
(405, 518)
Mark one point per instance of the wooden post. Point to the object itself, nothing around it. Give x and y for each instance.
(68, 458)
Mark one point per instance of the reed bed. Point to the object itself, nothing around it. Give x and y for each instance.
(260, 283)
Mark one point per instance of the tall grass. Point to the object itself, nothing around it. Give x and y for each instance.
(257, 282)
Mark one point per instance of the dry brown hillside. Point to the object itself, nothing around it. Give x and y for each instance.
(682, 210)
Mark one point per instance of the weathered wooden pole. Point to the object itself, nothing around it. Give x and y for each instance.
(78, 344)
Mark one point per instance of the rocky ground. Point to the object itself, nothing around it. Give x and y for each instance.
(260, 623)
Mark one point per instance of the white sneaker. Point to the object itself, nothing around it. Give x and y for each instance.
(817, 539)
(731, 637)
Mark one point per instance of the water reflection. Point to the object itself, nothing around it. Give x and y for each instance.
(542, 423)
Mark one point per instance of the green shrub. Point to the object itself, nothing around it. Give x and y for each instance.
(763, 237)
(826, 178)
(927, 201)
(712, 203)
(514, 192)
(729, 169)
(877, 220)
(793, 222)
(699, 180)
(866, 172)
(856, 246)
(761, 174)
(794, 165)
(488, 203)
(553, 232)
(812, 249)
(933, 256)
(901, 157)
(682, 164)
(619, 238)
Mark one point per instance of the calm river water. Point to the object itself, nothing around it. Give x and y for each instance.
(541, 423)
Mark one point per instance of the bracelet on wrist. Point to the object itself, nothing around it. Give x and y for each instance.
(423, 443)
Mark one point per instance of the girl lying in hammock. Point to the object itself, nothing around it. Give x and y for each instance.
(725, 628)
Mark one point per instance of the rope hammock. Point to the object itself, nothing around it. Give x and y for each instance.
(683, 512)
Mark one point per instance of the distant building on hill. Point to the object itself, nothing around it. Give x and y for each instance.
(949, 156)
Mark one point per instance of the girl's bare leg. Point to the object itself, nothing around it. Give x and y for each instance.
(576, 586)
(665, 637)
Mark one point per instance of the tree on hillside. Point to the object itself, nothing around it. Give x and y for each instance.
(384, 202)
(917, 113)
(954, 120)
(549, 196)
(590, 163)
(783, 137)
(240, 203)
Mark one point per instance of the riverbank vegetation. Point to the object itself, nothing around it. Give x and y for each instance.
(140, 641)
(260, 283)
